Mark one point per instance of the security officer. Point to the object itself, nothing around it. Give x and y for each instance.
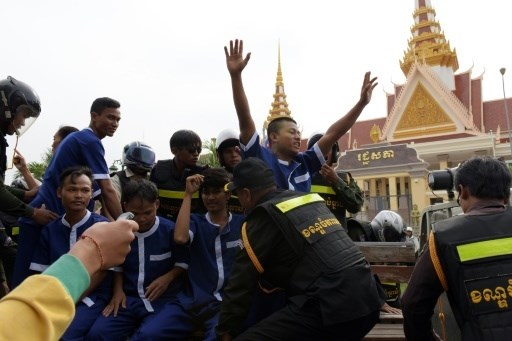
(294, 242)
(138, 160)
(170, 175)
(470, 257)
(338, 188)
(19, 108)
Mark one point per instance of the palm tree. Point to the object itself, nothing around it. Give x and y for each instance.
(210, 157)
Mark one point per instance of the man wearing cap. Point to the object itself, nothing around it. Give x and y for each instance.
(410, 237)
(338, 188)
(228, 152)
(292, 241)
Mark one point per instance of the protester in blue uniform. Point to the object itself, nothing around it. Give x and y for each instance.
(292, 169)
(82, 148)
(58, 237)
(150, 276)
(214, 240)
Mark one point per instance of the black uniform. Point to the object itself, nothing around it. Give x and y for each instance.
(171, 188)
(474, 256)
(294, 242)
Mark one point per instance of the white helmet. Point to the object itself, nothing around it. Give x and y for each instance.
(227, 138)
(388, 226)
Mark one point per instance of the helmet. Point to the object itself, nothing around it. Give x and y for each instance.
(317, 136)
(388, 226)
(138, 155)
(13, 94)
(227, 138)
(20, 184)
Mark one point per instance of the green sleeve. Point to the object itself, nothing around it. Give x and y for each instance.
(71, 273)
(350, 194)
(11, 202)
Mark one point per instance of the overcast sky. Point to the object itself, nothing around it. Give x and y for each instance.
(164, 60)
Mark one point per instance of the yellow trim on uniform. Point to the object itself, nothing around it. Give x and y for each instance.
(322, 189)
(250, 252)
(164, 193)
(290, 204)
(485, 249)
(436, 262)
(15, 230)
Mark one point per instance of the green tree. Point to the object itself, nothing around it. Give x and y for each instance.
(210, 157)
(38, 168)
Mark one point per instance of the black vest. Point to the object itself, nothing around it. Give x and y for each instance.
(475, 252)
(171, 188)
(330, 267)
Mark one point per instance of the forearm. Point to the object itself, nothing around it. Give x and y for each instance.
(182, 227)
(245, 121)
(340, 127)
(11, 202)
(111, 201)
(29, 178)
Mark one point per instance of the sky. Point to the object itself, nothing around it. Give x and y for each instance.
(164, 60)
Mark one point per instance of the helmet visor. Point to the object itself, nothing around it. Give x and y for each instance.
(141, 157)
(23, 119)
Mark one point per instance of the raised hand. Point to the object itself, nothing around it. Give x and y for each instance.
(367, 88)
(235, 60)
(194, 183)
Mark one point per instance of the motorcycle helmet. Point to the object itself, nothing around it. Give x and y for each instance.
(16, 98)
(388, 226)
(227, 138)
(335, 147)
(138, 155)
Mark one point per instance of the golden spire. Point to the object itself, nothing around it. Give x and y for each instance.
(279, 105)
(428, 43)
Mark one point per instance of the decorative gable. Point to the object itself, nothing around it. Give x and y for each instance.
(423, 113)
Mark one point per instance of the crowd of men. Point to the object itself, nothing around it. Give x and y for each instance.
(248, 250)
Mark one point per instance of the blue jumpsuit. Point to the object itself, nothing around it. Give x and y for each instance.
(56, 239)
(152, 255)
(211, 257)
(82, 148)
(295, 175)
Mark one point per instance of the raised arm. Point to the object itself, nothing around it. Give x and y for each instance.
(182, 227)
(236, 63)
(109, 198)
(341, 126)
(20, 164)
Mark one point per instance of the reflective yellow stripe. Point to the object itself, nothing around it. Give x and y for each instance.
(290, 204)
(249, 250)
(436, 262)
(485, 249)
(322, 189)
(174, 194)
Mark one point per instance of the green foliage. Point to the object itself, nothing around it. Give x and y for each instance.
(38, 168)
(209, 158)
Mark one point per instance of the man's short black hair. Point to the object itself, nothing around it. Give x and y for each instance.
(75, 172)
(141, 189)
(215, 178)
(485, 178)
(275, 125)
(184, 138)
(103, 103)
(65, 131)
